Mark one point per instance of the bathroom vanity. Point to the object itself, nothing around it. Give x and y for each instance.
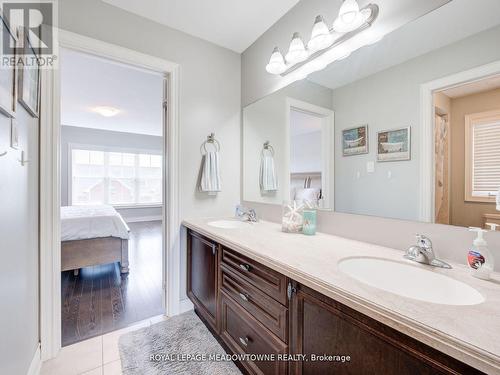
(261, 291)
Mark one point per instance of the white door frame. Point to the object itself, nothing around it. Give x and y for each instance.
(426, 205)
(50, 182)
(327, 146)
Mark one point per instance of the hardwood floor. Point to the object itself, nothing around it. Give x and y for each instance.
(101, 300)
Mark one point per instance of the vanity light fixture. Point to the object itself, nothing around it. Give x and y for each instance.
(326, 45)
(321, 37)
(276, 63)
(106, 111)
(297, 51)
(350, 17)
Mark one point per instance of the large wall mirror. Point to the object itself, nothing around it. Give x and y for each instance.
(406, 128)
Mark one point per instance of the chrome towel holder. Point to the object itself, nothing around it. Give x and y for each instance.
(212, 141)
(267, 147)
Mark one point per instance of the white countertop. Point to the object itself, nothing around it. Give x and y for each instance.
(470, 334)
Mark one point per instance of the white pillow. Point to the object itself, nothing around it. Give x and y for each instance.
(310, 195)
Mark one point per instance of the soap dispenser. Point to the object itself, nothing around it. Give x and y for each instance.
(480, 258)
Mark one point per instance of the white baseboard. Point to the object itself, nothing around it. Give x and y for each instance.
(36, 362)
(185, 305)
(139, 219)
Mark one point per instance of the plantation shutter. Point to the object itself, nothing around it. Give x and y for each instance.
(485, 158)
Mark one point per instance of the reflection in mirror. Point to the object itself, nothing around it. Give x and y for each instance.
(310, 152)
(416, 128)
(467, 154)
(297, 122)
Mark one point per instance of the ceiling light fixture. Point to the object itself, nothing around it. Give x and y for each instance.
(106, 111)
(351, 21)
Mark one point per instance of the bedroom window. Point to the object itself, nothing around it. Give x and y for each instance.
(116, 178)
(482, 156)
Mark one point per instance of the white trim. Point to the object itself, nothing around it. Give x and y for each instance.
(50, 179)
(426, 195)
(36, 362)
(50, 220)
(133, 206)
(327, 146)
(185, 305)
(140, 219)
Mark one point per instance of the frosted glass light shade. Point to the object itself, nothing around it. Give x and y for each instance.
(350, 17)
(320, 36)
(348, 11)
(297, 51)
(276, 63)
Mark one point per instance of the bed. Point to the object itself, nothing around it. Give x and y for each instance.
(93, 235)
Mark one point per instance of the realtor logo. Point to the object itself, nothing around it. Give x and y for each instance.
(30, 23)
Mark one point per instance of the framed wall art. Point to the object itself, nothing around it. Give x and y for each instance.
(394, 145)
(29, 78)
(7, 73)
(355, 141)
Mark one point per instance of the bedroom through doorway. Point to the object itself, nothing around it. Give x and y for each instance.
(111, 195)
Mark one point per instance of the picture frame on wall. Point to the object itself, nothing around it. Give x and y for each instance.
(7, 73)
(394, 144)
(14, 134)
(355, 141)
(29, 78)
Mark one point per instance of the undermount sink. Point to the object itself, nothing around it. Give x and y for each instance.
(228, 224)
(410, 281)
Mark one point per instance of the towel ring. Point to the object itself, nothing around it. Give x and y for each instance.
(268, 147)
(210, 140)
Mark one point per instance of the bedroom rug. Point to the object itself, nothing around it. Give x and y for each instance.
(179, 345)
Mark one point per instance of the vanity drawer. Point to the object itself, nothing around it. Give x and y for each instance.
(267, 280)
(245, 335)
(272, 314)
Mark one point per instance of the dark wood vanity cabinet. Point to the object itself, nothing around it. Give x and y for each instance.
(255, 310)
(202, 271)
(320, 325)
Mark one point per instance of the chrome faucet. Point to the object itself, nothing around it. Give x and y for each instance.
(246, 214)
(423, 253)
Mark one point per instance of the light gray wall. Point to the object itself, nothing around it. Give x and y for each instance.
(106, 138)
(19, 246)
(210, 96)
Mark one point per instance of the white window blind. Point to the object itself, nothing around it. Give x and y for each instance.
(485, 158)
(116, 178)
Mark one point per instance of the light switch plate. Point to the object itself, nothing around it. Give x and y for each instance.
(370, 167)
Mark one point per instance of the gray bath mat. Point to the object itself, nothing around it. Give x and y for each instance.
(179, 345)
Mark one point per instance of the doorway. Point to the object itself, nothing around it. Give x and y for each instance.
(50, 182)
(434, 170)
(111, 195)
(311, 148)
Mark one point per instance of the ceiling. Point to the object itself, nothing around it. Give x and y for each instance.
(473, 87)
(304, 123)
(88, 82)
(234, 24)
(449, 23)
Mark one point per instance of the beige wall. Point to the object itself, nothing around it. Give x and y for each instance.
(467, 213)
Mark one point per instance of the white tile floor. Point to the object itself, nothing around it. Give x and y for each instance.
(95, 356)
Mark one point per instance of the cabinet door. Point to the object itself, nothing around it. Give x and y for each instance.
(319, 326)
(202, 276)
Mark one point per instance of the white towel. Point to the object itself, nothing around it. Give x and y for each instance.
(267, 175)
(210, 176)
